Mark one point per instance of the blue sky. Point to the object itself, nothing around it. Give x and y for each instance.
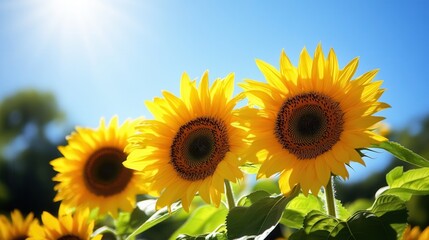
(107, 57)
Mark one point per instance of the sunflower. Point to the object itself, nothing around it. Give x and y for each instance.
(192, 145)
(308, 123)
(18, 226)
(75, 226)
(415, 233)
(91, 174)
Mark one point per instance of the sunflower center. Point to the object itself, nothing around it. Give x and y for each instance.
(198, 147)
(22, 237)
(104, 173)
(309, 124)
(69, 237)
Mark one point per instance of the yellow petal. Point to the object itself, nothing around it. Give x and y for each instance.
(284, 182)
(271, 74)
(318, 68)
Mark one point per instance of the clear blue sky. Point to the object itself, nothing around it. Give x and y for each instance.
(107, 57)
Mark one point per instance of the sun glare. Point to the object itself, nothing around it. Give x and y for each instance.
(74, 14)
(73, 26)
(80, 20)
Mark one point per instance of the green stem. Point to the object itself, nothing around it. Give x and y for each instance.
(330, 200)
(229, 195)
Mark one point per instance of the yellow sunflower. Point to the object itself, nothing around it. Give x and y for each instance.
(310, 121)
(18, 226)
(415, 233)
(91, 174)
(74, 227)
(192, 145)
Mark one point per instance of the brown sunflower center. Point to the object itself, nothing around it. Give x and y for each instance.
(104, 173)
(21, 237)
(198, 147)
(69, 237)
(309, 124)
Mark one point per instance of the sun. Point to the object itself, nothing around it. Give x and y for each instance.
(74, 14)
(71, 27)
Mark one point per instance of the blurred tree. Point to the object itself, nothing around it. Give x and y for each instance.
(25, 174)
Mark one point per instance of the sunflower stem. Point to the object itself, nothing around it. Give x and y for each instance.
(330, 200)
(229, 195)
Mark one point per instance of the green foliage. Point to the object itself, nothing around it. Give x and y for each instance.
(298, 208)
(385, 220)
(159, 216)
(404, 185)
(269, 185)
(359, 204)
(318, 225)
(253, 197)
(341, 211)
(258, 219)
(203, 220)
(26, 150)
(127, 222)
(391, 209)
(250, 168)
(27, 106)
(210, 236)
(403, 153)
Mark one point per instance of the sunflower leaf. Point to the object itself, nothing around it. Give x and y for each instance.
(127, 222)
(203, 220)
(405, 184)
(253, 197)
(385, 220)
(392, 210)
(210, 236)
(403, 153)
(298, 208)
(318, 225)
(259, 219)
(268, 185)
(342, 212)
(159, 216)
(250, 168)
(363, 225)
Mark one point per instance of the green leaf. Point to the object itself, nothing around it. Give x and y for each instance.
(127, 222)
(388, 203)
(257, 220)
(403, 153)
(318, 225)
(292, 219)
(363, 225)
(359, 204)
(268, 185)
(121, 223)
(341, 211)
(210, 236)
(403, 185)
(252, 198)
(385, 220)
(298, 208)
(159, 216)
(250, 168)
(203, 220)
(392, 210)
(366, 225)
